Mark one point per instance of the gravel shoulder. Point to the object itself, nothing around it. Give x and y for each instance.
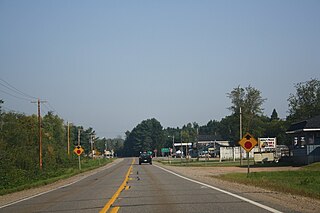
(17, 196)
(281, 201)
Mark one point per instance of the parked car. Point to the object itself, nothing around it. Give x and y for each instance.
(145, 158)
(204, 154)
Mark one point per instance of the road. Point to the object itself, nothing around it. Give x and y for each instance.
(146, 188)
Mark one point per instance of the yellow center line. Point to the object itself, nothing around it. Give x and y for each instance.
(115, 209)
(116, 195)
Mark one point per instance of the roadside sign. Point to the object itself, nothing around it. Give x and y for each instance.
(267, 143)
(248, 142)
(78, 150)
(164, 150)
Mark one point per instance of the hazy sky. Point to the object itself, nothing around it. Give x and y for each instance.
(112, 64)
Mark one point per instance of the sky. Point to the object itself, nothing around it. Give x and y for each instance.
(111, 64)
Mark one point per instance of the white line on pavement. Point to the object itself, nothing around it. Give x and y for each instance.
(223, 191)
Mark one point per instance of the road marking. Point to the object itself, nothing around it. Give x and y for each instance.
(223, 191)
(115, 209)
(116, 195)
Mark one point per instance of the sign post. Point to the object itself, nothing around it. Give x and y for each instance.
(248, 142)
(78, 150)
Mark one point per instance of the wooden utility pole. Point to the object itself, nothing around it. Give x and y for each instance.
(40, 130)
(240, 136)
(79, 159)
(79, 137)
(68, 132)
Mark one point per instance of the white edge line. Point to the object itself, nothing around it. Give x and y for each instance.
(42, 193)
(51, 190)
(223, 191)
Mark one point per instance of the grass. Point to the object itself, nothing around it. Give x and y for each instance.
(217, 163)
(305, 181)
(62, 173)
(193, 163)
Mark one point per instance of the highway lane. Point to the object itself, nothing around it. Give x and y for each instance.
(152, 189)
(87, 195)
(148, 189)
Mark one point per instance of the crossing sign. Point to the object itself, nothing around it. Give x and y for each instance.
(78, 150)
(248, 142)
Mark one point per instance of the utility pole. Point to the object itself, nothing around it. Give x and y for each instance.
(79, 159)
(1, 122)
(92, 145)
(240, 136)
(68, 132)
(79, 137)
(40, 130)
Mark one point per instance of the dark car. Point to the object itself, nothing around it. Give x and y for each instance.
(145, 158)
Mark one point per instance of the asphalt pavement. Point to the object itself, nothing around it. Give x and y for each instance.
(147, 188)
(152, 189)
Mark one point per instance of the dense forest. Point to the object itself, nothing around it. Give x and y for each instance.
(19, 136)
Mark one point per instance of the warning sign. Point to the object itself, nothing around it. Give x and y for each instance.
(78, 150)
(248, 142)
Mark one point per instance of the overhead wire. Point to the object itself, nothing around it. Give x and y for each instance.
(14, 89)
(17, 92)
(48, 110)
(21, 98)
(24, 95)
(52, 108)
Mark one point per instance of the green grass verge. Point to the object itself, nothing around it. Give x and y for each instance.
(61, 173)
(305, 181)
(194, 163)
(217, 163)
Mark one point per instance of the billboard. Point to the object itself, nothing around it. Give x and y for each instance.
(267, 143)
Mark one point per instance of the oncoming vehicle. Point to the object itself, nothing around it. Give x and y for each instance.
(145, 158)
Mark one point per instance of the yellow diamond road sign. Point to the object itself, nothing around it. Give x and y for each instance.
(248, 142)
(78, 150)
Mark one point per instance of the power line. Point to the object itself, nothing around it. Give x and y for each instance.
(48, 110)
(15, 96)
(14, 89)
(49, 107)
(52, 108)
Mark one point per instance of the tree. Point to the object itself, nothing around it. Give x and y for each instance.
(146, 136)
(237, 96)
(250, 101)
(54, 141)
(212, 128)
(305, 103)
(274, 115)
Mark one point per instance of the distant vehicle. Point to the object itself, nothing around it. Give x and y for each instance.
(204, 154)
(178, 154)
(145, 158)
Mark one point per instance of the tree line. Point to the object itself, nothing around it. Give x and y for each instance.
(304, 104)
(19, 147)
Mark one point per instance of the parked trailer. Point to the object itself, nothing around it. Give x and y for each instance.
(262, 157)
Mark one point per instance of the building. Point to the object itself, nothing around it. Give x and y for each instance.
(306, 140)
(209, 144)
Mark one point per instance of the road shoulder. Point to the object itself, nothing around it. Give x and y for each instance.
(17, 196)
(282, 201)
